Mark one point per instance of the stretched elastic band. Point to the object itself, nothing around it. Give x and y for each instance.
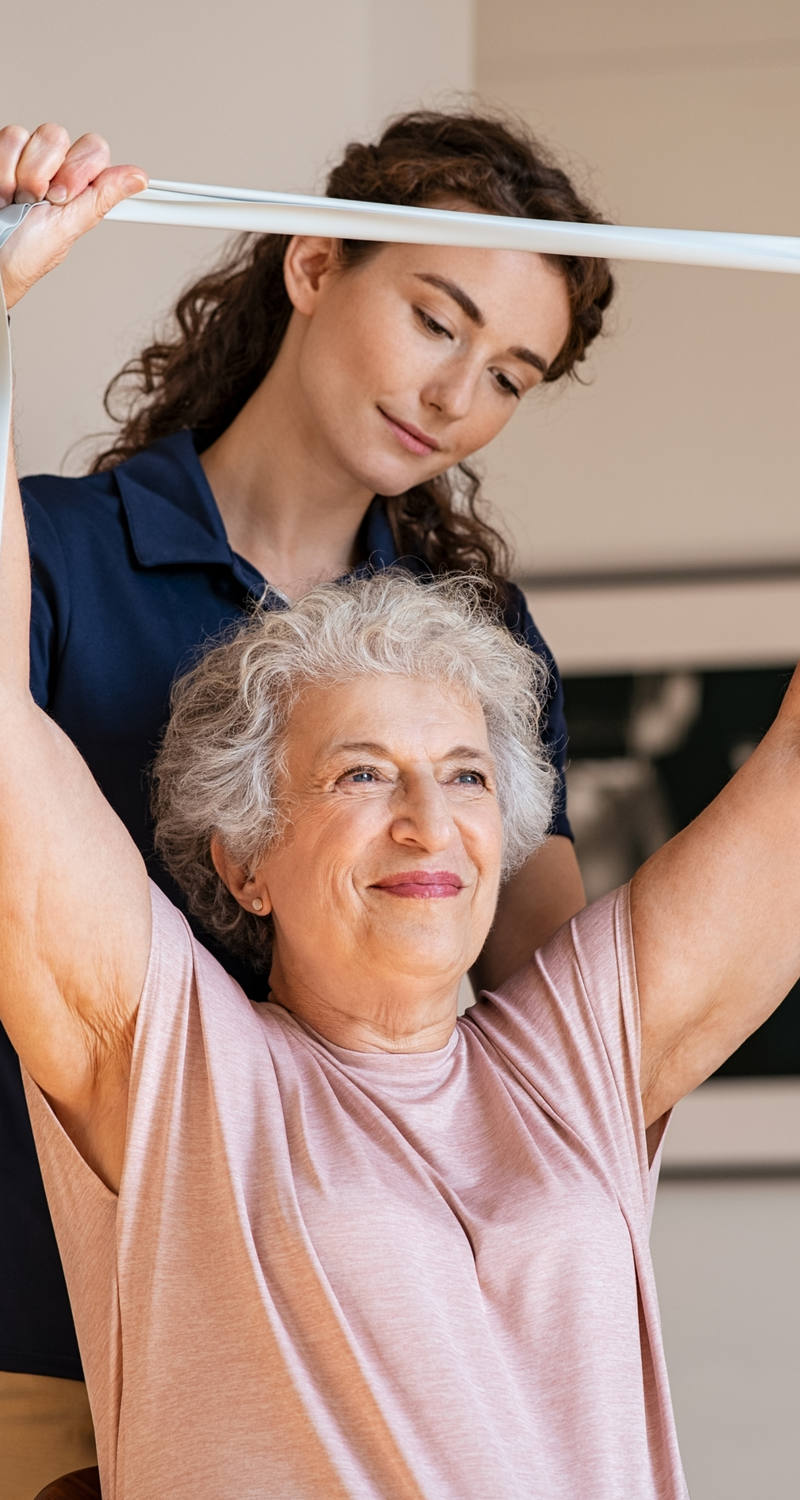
(211, 207)
(10, 218)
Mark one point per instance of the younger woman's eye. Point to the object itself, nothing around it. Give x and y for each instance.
(430, 324)
(507, 386)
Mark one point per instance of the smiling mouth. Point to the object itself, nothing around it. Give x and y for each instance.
(410, 437)
(424, 885)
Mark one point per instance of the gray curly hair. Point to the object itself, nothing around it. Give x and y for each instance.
(221, 764)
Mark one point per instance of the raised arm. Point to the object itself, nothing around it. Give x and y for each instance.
(716, 919)
(74, 937)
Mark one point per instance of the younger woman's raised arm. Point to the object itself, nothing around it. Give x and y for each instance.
(74, 937)
(716, 919)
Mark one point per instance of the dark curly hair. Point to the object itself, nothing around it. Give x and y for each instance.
(230, 323)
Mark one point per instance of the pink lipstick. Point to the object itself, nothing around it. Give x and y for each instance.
(424, 884)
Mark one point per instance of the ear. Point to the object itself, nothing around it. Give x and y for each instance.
(245, 886)
(309, 260)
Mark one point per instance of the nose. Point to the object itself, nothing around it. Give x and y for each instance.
(451, 388)
(421, 816)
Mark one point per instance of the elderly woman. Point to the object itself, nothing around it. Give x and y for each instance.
(345, 1244)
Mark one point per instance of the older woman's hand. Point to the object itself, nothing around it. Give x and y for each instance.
(76, 186)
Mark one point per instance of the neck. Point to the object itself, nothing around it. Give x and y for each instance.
(287, 505)
(405, 1015)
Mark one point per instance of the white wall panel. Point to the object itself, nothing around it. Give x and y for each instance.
(683, 449)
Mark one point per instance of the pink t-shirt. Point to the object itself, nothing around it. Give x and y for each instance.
(345, 1274)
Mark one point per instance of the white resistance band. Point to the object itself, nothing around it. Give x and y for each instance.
(211, 207)
(290, 213)
(9, 219)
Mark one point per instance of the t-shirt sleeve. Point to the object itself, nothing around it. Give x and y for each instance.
(188, 1005)
(91, 1221)
(568, 1022)
(553, 723)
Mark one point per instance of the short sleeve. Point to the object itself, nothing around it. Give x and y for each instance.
(568, 1022)
(553, 724)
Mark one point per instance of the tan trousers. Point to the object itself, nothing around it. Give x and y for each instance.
(45, 1431)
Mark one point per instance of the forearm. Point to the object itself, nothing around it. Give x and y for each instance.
(716, 919)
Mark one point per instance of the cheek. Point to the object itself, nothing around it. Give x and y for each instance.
(375, 347)
(326, 855)
(496, 414)
(488, 415)
(344, 385)
(495, 838)
(483, 840)
(357, 331)
(388, 366)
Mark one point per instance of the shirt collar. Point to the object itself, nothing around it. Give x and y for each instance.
(376, 542)
(171, 513)
(173, 517)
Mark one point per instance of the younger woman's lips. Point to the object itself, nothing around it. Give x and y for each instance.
(411, 437)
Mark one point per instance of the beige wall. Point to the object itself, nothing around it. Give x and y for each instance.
(256, 95)
(684, 447)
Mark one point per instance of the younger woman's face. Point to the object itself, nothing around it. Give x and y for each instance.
(417, 357)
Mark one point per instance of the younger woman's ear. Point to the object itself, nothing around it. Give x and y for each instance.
(246, 887)
(309, 259)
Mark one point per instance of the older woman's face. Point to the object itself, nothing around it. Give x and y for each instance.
(392, 861)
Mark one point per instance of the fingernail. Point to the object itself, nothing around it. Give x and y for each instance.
(21, 196)
(58, 194)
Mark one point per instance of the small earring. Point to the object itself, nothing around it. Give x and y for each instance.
(257, 904)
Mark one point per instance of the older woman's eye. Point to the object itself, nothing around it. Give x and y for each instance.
(358, 776)
(430, 324)
(470, 778)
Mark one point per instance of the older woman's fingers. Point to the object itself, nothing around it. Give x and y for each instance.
(13, 139)
(46, 236)
(102, 193)
(86, 159)
(39, 160)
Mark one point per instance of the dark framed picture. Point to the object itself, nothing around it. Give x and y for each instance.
(648, 751)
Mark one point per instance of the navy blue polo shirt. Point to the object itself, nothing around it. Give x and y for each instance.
(132, 576)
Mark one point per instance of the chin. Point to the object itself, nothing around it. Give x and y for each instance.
(390, 483)
(416, 967)
(395, 476)
(413, 952)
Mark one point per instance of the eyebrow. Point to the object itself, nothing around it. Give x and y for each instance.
(369, 747)
(473, 312)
